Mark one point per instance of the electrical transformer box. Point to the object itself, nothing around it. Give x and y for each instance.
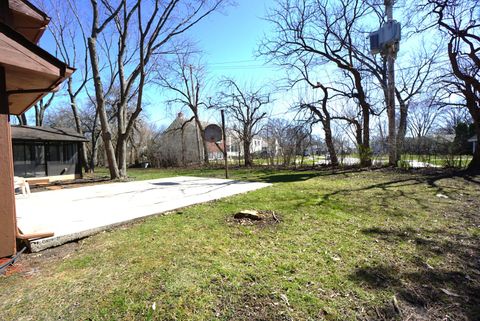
(388, 34)
(375, 47)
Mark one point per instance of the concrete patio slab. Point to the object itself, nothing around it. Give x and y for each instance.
(79, 212)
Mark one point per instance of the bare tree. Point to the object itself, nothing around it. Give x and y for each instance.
(458, 21)
(353, 119)
(143, 32)
(289, 136)
(92, 130)
(154, 147)
(66, 31)
(424, 117)
(247, 109)
(451, 117)
(96, 30)
(300, 71)
(319, 109)
(185, 77)
(60, 117)
(328, 34)
(326, 30)
(275, 132)
(41, 107)
(409, 86)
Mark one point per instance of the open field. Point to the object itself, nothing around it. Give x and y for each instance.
(350, 245)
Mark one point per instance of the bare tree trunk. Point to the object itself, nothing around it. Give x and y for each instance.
(239, 152)
(201, 130)
(246, 153)
(302, 158)
(183, 147)
(73, 105)
(100, 99)
(94, 155)
(39, 113)
(475, 162)
(22, 119)
(122, 155)
(329, 142)
(365, 153)
(326, 120)
(402, 128)
(199, 147)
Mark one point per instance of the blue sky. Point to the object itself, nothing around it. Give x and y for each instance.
(229, 40)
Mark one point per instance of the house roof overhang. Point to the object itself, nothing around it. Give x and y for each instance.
(30, 72)
(26, 19)
(41, 133)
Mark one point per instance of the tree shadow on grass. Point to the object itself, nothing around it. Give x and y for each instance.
(449, 291)
(397, 187)
(303, 175)
(388, 191)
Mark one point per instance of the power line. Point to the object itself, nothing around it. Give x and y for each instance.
(244, 67)
(231, 62)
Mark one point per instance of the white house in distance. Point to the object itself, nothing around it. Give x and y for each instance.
(258, 145)
(474, 141)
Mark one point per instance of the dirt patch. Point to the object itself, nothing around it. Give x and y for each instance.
(260, 218)
(11, 269)
(31, 264)
(252, 307)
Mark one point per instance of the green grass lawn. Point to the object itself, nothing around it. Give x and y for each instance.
(350, 245)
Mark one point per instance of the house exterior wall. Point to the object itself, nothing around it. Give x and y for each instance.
(181, 146)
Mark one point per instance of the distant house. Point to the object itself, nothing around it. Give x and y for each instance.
(235, 144)
(260, 145)
(41, 153)
(474, 141)
(182, 144)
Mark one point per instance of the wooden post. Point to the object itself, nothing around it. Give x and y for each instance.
(391, 53)
(225, 152)
(7, 193)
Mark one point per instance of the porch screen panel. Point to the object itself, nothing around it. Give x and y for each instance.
(19, 160)
(39, 160)
(29, 159)
(62, 158)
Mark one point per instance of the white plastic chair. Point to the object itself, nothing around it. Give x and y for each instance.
(22, 184)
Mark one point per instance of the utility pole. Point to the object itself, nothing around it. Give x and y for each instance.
(390, 55)
(225, 152)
